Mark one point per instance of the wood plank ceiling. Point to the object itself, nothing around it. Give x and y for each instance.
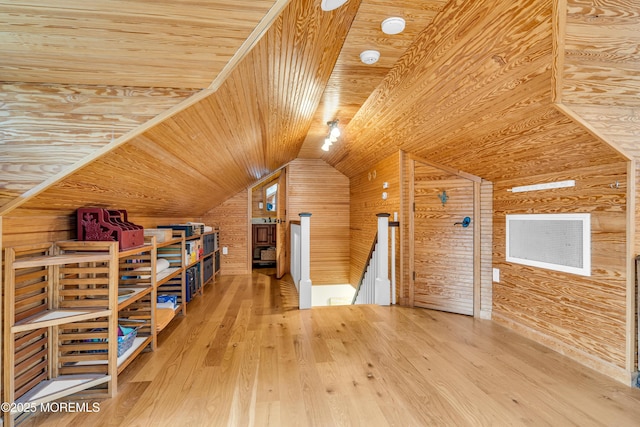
(474, 92)
(187, 115)
(76, 75)
(601, 69)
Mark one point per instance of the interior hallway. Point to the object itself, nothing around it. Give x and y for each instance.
(244, 356)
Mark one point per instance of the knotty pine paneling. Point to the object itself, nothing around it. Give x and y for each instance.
(486, 249)
(583, 317)
(492, 117)
(46, 127)
(598, 77)
(342, 100)
(600, 63)
(366, 201)
(257, 197)
(316, 187)
(232, 217)
(208, 152)
(40, 227)
(124, 42)
(443, 251)
(405, 296)
(486, 238)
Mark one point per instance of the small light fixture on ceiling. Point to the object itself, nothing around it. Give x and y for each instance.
(370, 56)
(393, 25)
(328, 5)
(334, 133)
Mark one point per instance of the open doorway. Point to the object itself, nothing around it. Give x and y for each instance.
(269, 225)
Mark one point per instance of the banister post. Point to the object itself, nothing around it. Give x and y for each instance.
(304, 290)
(383, 285)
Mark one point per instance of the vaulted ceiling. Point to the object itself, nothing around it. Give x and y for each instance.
(170, 109)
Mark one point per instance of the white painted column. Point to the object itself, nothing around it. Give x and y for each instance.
(383, 285)
(304, 290)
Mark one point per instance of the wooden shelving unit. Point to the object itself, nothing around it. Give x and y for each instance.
(172, 280)
(136, 298)
(60, 333)
(200, 270)
(209, 245)
(63, 303)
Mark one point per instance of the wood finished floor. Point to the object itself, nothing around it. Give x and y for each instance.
(244, 356)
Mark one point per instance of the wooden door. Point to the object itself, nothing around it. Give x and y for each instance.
(443, 250)
(282, 264)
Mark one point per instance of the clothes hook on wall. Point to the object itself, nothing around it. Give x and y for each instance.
(615, 185)
(443, 197)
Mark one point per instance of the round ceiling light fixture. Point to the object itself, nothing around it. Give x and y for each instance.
(370, 56)
(328, 5)
(393, 25)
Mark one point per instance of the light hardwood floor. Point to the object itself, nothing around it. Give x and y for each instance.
(245, 356)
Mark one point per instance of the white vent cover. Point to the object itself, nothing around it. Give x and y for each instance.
(560, 242)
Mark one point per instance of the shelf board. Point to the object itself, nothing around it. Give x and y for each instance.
(193, 263)
(62, 386)
(134, 251)
(166, 275)
(69, 258)
(57, 317)
(139, 344)
(165, 323)
(169, 243)
(135, 295)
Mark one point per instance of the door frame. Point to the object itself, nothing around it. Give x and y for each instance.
(477, 218)
(250, 216)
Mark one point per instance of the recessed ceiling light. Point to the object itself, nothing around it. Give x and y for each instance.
(370, 56)
(328, 5)
(393, 25)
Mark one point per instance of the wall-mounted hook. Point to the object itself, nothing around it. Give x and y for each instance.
(465, 222)
(443, 197)
(615, 185)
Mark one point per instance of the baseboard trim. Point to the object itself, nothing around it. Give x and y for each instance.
(580, 356)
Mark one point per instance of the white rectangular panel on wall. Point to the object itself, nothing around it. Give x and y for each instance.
(559, 242)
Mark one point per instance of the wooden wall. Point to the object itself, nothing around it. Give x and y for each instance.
(483, 251)
(316, 187)
(599, 63)
(257, 196)
(46, 127)
(366, 201)
(486, 249)
(34, 227)
(351, 81)
(583, 317)
(492, 116)
(443, 252)
(405, 296)
(224, 141)
(312, 186)
(232, 217)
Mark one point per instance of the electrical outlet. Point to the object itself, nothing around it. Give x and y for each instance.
(496, 275)
(225, 250)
